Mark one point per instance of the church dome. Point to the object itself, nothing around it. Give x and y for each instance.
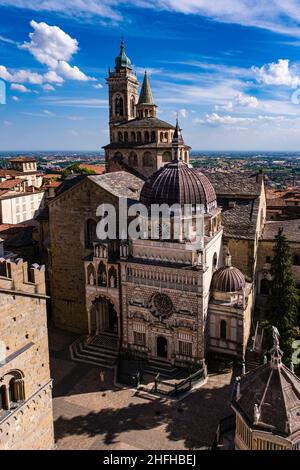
(228, 279)
(177, 183)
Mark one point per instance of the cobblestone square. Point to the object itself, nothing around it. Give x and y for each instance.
(89, 414)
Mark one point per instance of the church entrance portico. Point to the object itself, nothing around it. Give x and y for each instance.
(106, 317)
(162, 347)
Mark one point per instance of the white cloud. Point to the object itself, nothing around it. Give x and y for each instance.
(19, 87)
(48, 87)
(246, 101)
(8, 40)
(240, 101)
(98, 86)
(7, 123)
(71, 73)
(279, 73)
(228, 120)
(48, 113)
(281, 16)
(53, 77)
(51, 46)
(183, 113)
(76, 8)
(21, 76)
(15, 98)
(74, 102)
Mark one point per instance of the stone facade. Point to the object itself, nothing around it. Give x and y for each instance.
(72, 214)
(26, 420)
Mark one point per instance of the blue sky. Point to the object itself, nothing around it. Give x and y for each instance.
(229, 68)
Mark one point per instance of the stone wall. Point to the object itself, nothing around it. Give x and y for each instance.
(26, 421)
(68, 215)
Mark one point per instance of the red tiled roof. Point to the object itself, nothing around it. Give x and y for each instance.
(23, 160)
(54, 184)
(8, 172)
(10, 184)
(99, 169)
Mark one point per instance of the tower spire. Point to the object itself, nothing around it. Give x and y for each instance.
(146, 96)
(146, 106)
(177, 142)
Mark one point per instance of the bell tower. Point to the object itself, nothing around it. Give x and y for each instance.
(123, 90)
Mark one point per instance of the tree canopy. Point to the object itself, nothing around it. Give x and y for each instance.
(283, 301)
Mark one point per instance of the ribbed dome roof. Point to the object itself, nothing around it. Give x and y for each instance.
(177, 183)
(228, 278)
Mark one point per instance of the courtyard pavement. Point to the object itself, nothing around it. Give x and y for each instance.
(92, 414)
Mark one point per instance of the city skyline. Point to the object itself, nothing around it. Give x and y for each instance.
(228, 95)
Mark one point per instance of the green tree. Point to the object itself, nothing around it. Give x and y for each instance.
(76, 169)
(284, 298)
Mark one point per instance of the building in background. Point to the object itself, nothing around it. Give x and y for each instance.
(19, 206)
(25, 168)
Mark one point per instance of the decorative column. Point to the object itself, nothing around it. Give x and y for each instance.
(98, 306)
(6, 398)
(19, 389)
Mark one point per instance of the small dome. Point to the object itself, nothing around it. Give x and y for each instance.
(177, 183)
(228, 279)
(122, 60)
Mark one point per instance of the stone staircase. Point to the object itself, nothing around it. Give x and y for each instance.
(100, 351)
(165, 370)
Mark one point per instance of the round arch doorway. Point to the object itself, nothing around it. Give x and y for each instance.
(106, 317)
(162, 347)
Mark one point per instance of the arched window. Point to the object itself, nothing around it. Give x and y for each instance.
(125, 136)
(120, 137)
(166, 157)
(118, 156)
(146, 136)
(91, 275)
(12, 390)
(153, 136)
(166, 137)
(133, 137)
(264, 286)
(139, 136)
(119, 106)
(161, 136)
(102, 277)
(223, 329)
(215, 261)
(133, 159)
(147, 159)
(132, 106)
(90, 233)
(296, 260)
(112, 278)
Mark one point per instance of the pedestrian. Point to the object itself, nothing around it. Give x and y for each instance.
(102, 376)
